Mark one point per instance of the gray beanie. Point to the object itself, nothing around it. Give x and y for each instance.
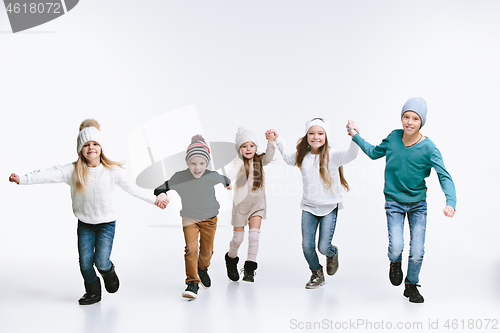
(244, 135)
(417, 105)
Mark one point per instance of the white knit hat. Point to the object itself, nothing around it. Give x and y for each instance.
(244, 135)
(88, 134)
(318, 122)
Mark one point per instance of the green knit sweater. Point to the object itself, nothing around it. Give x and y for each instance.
(407, 167)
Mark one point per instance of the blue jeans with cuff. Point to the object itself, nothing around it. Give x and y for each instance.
(417, 219)
(326, 225)
(95, 242)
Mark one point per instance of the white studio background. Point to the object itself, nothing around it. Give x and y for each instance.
(261, 64)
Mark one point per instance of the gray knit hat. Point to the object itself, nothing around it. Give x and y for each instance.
(198, 147)
(417, 105)
(88, 134)
(244, 135)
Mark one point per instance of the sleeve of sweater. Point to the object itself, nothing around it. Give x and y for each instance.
(268, 157)
(288, 156)
(235, 168)
(445, 179)
(55, 174)
(163, 188)
(130, 187)
(373, 152)
(345, 156)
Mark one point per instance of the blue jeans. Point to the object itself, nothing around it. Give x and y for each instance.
(417, 219)
(95, 242)
(326, 225)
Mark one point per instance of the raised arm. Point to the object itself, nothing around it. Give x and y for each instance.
(373, 152)
(288, 156)
(55, 174)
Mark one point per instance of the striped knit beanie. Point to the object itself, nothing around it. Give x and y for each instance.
(198, 147)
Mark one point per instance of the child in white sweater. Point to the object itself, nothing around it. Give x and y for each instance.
(92, 179)
(322, 179)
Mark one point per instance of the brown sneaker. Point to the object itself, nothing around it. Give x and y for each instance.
(332, 263)
(317, 279)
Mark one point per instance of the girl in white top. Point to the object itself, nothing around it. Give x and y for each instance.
(249, 202)
(323, 183)
(92, 179)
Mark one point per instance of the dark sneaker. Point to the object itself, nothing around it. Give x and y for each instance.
(332, 263)
(317, 279)
(411, 292)
(204, 278)
(249, 271)
(395, 273)
(191, 290)
(232, 268)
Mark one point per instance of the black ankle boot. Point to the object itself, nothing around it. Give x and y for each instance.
(110, 278)
(249, 271)
(92, 293)
(232, 268)
(411, 292)
(395, 273)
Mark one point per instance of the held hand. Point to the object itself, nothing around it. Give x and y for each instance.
(162, 201)
(14, 178)
(271, 135)
(352, 128)
(448, 211)
(230, 187)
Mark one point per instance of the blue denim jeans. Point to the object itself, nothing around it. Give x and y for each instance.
(417, 219)
(326, 225)
(95, 242)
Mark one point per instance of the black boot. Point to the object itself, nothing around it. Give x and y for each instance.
(110, 278)
(92, 293)
(232, 268)
(249, 271)
(395, 273)
(411, 292)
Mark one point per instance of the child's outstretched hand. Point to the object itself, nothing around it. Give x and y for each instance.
(162, 201)
(271, 135)
(448, 211)
(352, 128)
(14, 178)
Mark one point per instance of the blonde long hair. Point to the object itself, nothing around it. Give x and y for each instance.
(81, 167)
(324, 158)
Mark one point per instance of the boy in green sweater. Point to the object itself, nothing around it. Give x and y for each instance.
(409, 159)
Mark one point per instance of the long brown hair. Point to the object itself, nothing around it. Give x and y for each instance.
(258, 172)
(303, 148)
(81, 167)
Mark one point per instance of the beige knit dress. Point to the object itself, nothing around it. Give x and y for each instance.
(248, 203)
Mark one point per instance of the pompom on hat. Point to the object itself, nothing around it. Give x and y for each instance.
(318, 122)
(88, 134)
(198, 147)
(244, 135)
(417, 105)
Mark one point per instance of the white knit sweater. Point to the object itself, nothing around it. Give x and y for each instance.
(97, 203)
(316, 199)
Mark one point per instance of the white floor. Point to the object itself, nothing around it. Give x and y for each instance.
(40, 283)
